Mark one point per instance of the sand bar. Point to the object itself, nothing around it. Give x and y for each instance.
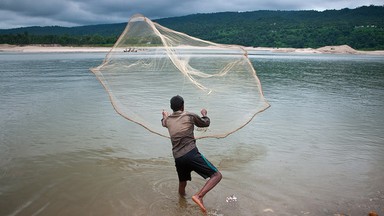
(50, 49)
(343, 49)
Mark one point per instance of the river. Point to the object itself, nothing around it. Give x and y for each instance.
(318, 150)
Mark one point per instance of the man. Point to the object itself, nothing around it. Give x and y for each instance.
(180, 126)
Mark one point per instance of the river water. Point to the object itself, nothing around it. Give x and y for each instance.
(318, 150)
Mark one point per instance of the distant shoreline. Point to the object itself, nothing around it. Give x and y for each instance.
(343, 49)
(50, 49)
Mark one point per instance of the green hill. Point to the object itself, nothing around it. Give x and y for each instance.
(360, 28)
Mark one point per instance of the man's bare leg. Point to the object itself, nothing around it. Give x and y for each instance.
(182, 186)
(211, 183)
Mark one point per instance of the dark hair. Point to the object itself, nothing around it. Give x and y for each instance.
(177, 102)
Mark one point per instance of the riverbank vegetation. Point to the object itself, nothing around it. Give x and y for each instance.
(361, 28)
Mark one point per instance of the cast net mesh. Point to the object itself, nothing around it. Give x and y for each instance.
(150, 63)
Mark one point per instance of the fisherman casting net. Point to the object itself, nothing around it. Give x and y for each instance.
(150, 63)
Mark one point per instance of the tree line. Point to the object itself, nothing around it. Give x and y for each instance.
(360, 28)
(65, 40)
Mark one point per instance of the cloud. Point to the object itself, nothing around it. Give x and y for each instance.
(21, 13)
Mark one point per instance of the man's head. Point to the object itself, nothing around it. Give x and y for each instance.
(177, 103)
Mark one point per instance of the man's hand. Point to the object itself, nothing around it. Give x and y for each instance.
(204, 112)
(165, 114)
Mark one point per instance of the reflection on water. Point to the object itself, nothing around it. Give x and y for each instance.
(318, 150)
(96, 182)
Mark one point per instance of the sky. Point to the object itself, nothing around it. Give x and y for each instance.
(68, 13)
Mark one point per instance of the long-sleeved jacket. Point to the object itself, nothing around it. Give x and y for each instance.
(180, 125)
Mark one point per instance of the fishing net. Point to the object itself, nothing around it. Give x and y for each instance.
(150, 63)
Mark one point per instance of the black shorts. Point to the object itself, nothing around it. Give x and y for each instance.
(193, 161)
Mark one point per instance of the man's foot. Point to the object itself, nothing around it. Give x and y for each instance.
(199, 202)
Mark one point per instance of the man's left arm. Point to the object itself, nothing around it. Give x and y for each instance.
(165, 116)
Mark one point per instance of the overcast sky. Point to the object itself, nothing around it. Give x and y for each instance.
(23, 13)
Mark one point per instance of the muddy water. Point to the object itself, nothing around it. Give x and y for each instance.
(319, 149)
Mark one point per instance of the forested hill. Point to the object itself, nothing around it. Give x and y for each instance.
(360, 28)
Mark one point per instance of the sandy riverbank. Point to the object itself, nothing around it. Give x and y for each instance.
(343, 49)
(50, 48)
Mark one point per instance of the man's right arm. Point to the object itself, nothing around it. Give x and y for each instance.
(202, 121)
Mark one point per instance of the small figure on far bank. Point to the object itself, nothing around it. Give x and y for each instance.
(180, 126)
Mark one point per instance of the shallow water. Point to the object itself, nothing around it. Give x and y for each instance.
(319, 149)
